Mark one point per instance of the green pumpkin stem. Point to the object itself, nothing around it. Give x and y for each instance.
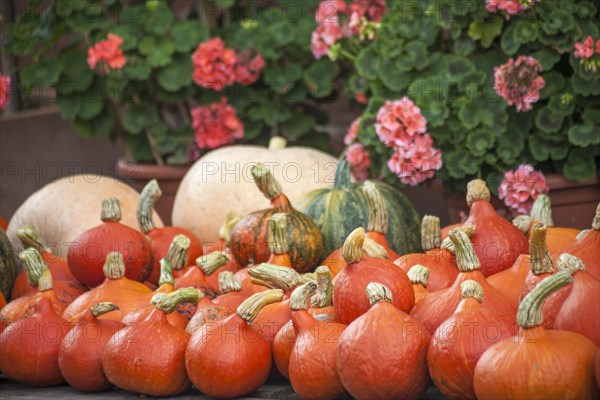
(477, 190)
(530, 313)
(114, 266)
(301, 296)
(33, 264)
(466, 259)
(31, 238)
(307, 277)
(471, 289)
(522, 223)
(596, 221)
(211, 262)
(225, 230)
(431, 232)
(277, 234)
(447, 244)
(541, 211)
(274, 276)
(377, 292)
(353, 246)
(145, 207)
(166, 273)
(571, 263)
(45, 282)
(265, 181)
(228, 283)
(540, 259)
(323, 296)
(419, 275)
(374, 249)
(178, 252)
(378, 214)
(342, 175)
(103, 308)
(111, 210)
(169, 303)
(250, 308)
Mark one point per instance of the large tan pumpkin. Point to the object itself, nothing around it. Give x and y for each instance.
(221, 181)
(65, 208)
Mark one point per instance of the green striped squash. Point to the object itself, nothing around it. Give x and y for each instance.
(342, 208)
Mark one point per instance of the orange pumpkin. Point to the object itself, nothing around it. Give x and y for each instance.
(538, 363)
(374, 360)
(419, 276)
(336, 262)
(207, 313)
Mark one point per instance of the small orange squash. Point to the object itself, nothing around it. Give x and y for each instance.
(419, 276)
(230, 289)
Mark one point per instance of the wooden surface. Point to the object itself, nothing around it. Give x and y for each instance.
(275, 390)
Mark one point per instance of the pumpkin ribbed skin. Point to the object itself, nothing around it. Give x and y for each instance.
(441, 264)
(343, 207)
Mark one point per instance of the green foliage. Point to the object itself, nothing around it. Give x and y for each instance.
(149, 99)
(442, 54)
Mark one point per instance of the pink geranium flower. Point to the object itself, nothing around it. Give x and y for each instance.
(358, 158)
(325, 36)
(585, 49)
(248, 67)
(510, 7)
(216, 125)
(4, 91)
(328, 11)
(415, 162)
(372, 10)
(352, 133)
(398, 121)
(214, 64)
(107, 51)
(521, 187)
(519, 83)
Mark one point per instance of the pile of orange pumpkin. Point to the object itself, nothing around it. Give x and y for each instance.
(495, 309)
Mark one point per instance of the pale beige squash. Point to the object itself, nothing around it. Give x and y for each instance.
(221, 181)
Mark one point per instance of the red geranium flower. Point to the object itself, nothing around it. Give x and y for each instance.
(108, 51)
(216, 125)
(214, 64)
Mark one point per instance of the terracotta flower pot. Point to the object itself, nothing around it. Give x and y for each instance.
(573, 203)
(168, 176)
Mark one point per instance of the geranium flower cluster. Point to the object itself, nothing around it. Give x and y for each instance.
(588, 53)
(519, 82)
(216, 125)
(401, 126)
(107, 51)
(356, 155)
(510, 7)
(361, 19)
(4, 91)
(217, 66)
(521, 187)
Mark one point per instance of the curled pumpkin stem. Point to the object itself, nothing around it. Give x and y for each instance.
(477, 190)
(228, 283)
(353, 246)
(596, 221)
(225, 230)
(114, 265)
(447, 244)
(265, 181)
(103, 308)
(169, 302)
(307, 277)
(111, 210)
(571, 263)
(145, 207)
(166, 273)
(301, 296)
(378, 214)
(540, 259)
(250, 308)
(277, 234)
(541, 211)
(323, 296)
(431, 232)
(156, 298)
(471, 289)
(33, 264)
(374, 249)
(178, 252)
(466, 259)
(530, 313)
(522, 223)
(377, 292)
(45, 283)
(211, 262)
(419, 275)
(274, 276)
(31, 238)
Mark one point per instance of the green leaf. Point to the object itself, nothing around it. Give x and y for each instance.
(480, 141)
(281, 78)
(42, 73)
(187, 35)
(139, 116)
(158, 19)
(591, 115)
(486, 31)
(416, 52)
(586, 88)
(526, 32)
(580, 165)
(83, 127)
(177, 74)
(91, 106)
(319, 78)
(103, 123)
(137, 69)
(367, 63)
(586, 9)
(547, 57)
(129, 35)
(157, 51)
(224, 4)
(583, 135)
(298, 125)
(548, 121)
(76, 74)
(555, 83)
(69, 104)
(540, 150)
(64, 8)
